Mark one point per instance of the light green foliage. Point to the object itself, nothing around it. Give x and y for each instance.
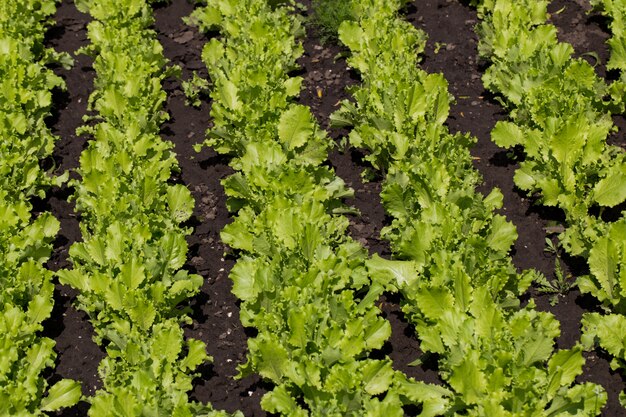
(608, 331)
(128, 266)
(615, 10)
(26, 300)
(561, 115)
(452, 265)
(607, 258)
(607, 264)
(25, 241)
(194, 88)
(26, 97)
(302, 281)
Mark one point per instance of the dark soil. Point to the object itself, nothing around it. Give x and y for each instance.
(451, 49)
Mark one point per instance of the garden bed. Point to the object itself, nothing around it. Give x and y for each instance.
(451, 49)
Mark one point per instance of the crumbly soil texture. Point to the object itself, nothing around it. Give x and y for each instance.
(451, 49)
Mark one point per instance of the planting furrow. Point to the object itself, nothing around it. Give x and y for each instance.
(451, 263)
(560, 114)
(302, 281)
(26, 290)
(128, 267)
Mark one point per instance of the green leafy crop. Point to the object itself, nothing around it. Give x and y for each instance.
(303, 282)
(26, 288)
(561, 116)
(615, 10)
(451, 261)
(128, 268)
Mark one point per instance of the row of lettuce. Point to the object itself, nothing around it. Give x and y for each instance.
(560, 114)
(26, 289)
(302, 281)
(450, 249)
(306, 287)
(127, 267)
